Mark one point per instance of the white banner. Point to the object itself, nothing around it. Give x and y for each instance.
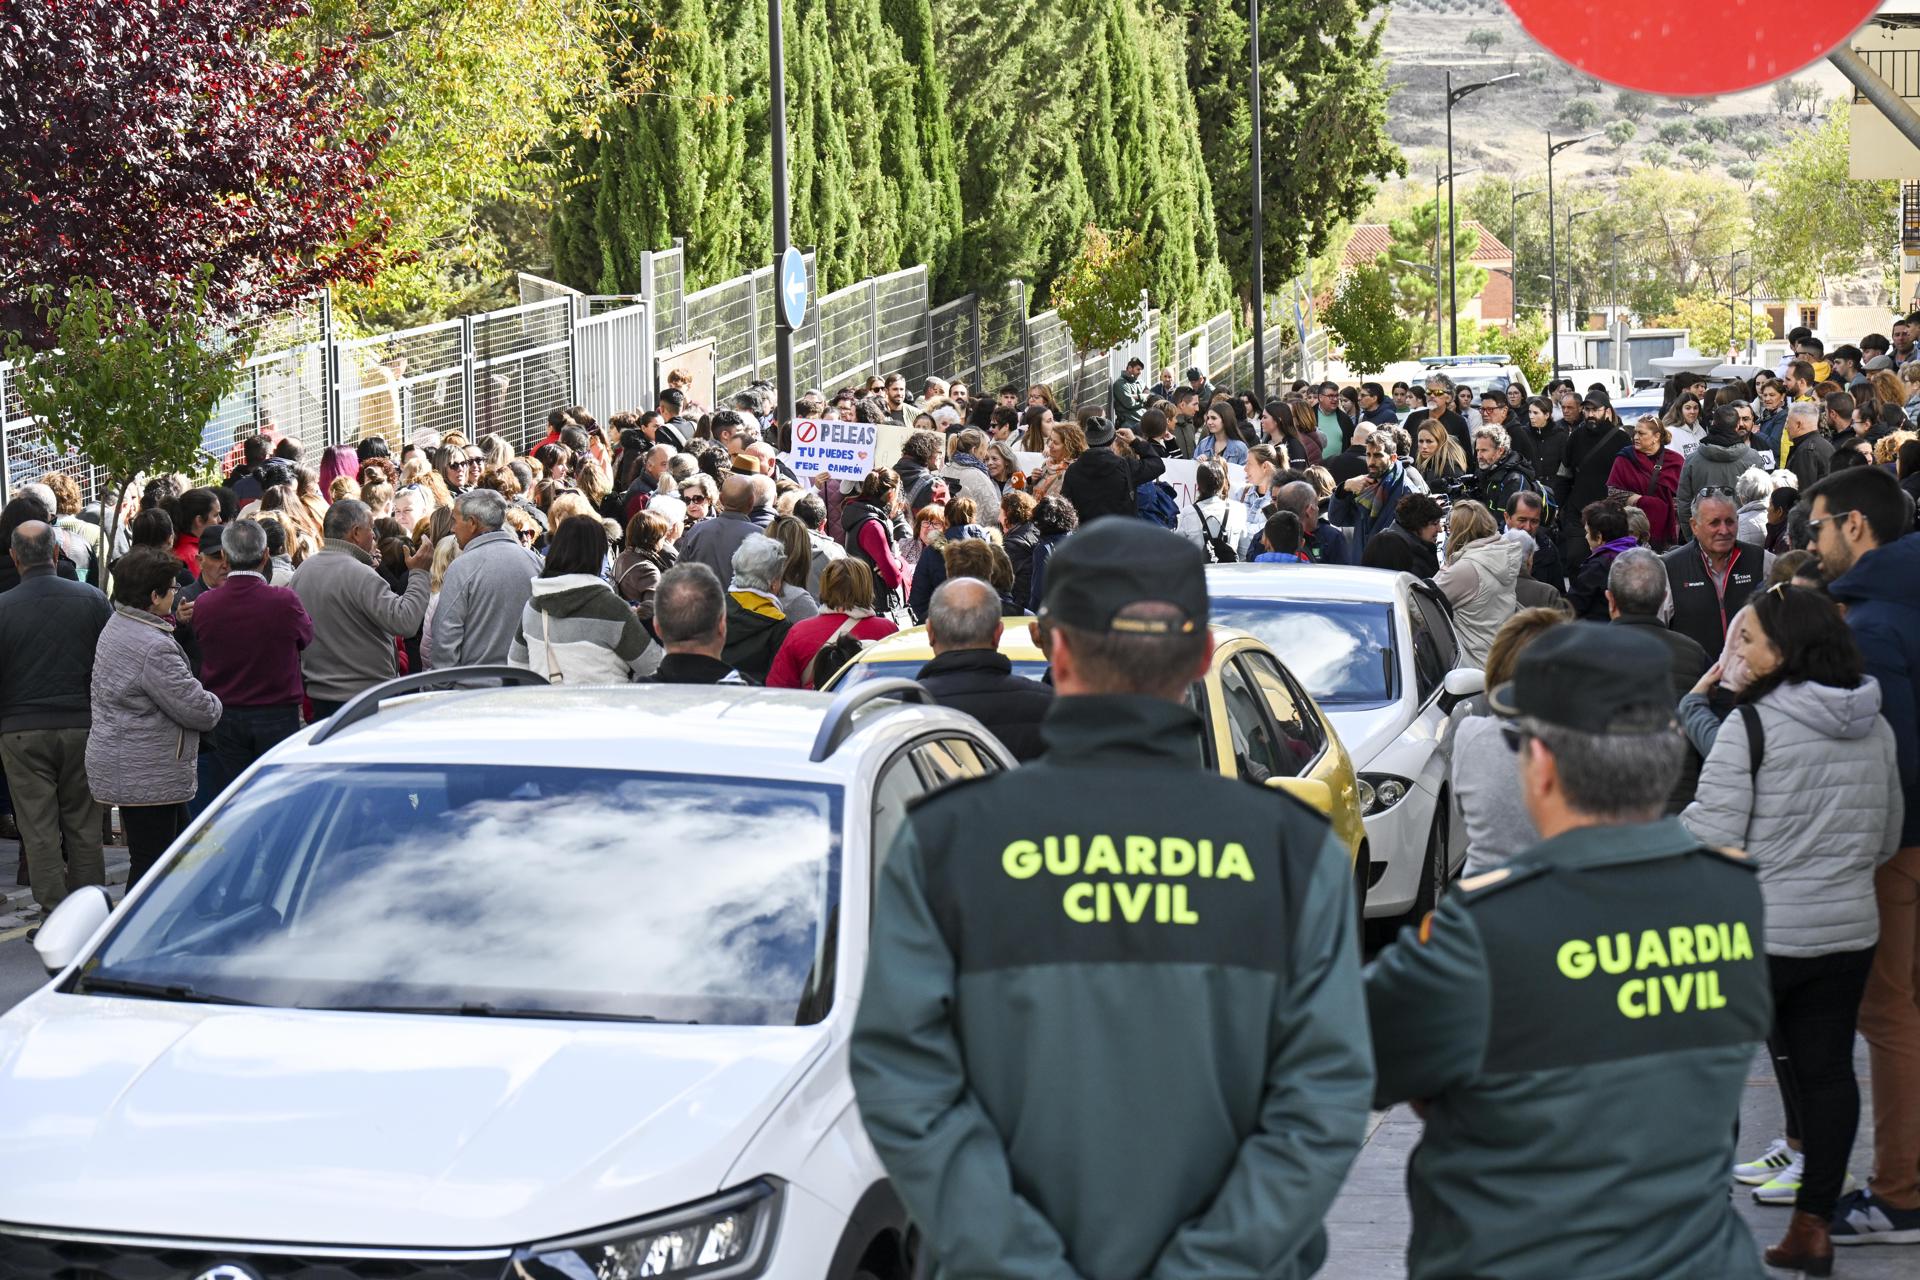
(1179, 474)
(844, 450)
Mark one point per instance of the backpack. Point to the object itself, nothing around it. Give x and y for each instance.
(1214, 542)
(841, 648)
(1156, 502)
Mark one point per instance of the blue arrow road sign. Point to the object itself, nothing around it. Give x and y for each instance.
(793, 287)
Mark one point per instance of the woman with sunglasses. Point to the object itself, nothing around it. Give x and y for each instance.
(1803, 776)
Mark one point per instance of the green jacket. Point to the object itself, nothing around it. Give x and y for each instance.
(1579, 1026)
(1112, 1023)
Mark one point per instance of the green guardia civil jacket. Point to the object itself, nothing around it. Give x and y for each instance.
(1577, 1028)
(1112, 1023)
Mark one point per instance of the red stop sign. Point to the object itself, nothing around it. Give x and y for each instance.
(1694, 49)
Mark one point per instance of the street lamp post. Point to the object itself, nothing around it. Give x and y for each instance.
(1573, 214)
(1553, 269)
(1440, 296)
(1453, 302)
(777, 126)
(1513, 245)
(1259, 221)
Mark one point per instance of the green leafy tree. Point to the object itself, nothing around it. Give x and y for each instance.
(1743, 173)
(1619, 134)
(1326, 144)
(474, 91)
(1712, 129)
(1753, 143)
(129, 388)
(1520, 344)
(1711, 322)
(1363, 317)
(1785, 96)
(1580, 113)
(1674, 133)
(1482, 40)
(1633, 105)
(1098, 293)
(1814, 220)
(1655, 155)
(1698, 154)
(1408, 261)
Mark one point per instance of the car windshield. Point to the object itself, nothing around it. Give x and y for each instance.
(1341, 650)
(1034, 669)
(497, 890)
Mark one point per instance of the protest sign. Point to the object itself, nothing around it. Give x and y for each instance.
(843, 450)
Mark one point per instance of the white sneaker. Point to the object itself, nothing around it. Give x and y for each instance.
(1784, 1186)
(1776, 1157)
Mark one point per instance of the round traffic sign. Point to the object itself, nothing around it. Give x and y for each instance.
(793, 287)
(1692, 50)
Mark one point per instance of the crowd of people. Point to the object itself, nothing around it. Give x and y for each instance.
(677, 545)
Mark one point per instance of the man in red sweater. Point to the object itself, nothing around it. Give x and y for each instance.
(251, 635)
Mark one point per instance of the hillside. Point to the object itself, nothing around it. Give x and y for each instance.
(1503, 129)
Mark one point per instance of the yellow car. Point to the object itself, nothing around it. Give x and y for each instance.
(1260, 723)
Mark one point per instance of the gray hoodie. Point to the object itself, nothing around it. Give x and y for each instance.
(1480, 583)
(1713, 464)
(1823, 812)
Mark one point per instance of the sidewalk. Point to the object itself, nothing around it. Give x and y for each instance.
(14, 899)
(1368, 1225)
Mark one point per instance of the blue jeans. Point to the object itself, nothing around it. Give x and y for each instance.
(244, 734)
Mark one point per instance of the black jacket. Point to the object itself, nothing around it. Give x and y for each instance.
(1501, 481)
(1397, 547)
(1544, 452)
(1548, 566)
(1018, 542)
(1102, 483)
(752, 641)
(63, 567)
(694, 668)
(1686, 663)
(49, 627)
(1810, 459)
(1346, 464)
(981, 683)
(1699, 609)
(911, 472)
(1591, 449)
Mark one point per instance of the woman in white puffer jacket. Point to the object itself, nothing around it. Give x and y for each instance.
(1816, 804)
(1480, 578)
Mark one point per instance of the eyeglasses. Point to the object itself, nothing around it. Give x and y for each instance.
(527, 535)
(1515, 738)
(1814, 526)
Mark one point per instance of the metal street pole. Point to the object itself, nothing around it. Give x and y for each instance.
(1453, 269)
(1571, 215)
(1259, 222)
(777, 124)
(1513, 245)
(1553, 267)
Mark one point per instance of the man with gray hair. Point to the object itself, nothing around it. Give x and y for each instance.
(970, 674)
(49, 628)
(251, 637)
(756, 624)
(1809, 454)
(485, 587)
(1324, 543)
(1524, 1008)
(1636, 595)
(356, 616)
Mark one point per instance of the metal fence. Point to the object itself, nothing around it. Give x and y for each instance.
(504, 371)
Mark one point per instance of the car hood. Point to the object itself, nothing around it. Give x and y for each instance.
(1367, 731)
(138, 1117)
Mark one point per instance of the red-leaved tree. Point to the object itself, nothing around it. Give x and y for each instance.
(142, 139)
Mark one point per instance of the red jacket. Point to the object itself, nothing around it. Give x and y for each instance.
(807, 638)
(1655, 481)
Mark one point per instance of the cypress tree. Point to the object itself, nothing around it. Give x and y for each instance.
(912, 23)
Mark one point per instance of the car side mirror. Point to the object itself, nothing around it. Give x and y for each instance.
(71, 925)
(1464, 682)
(1311, 792)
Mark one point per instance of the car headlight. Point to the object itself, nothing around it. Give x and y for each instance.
(1380, 792)
(730, 1235)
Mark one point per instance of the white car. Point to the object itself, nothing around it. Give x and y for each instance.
(550, 984)
(1374, 648)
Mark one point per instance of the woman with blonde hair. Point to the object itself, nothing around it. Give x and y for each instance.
(846, 608)
(1003, 467)
(1479, 577)
(1438, 456)
(1065, 442)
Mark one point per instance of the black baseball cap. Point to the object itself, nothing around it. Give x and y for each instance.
(1117, 561)
(1195, 373)
(1588, 677)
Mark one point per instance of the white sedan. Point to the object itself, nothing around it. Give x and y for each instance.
(1373, 648)
(527, 982)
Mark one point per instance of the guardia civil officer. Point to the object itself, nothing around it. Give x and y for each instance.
(1577, 1026)
(1113, 1023)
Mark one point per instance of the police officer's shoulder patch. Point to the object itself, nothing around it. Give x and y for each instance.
(1498, 879)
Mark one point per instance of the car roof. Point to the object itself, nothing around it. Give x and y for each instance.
(735, 730)
(1307, 582)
